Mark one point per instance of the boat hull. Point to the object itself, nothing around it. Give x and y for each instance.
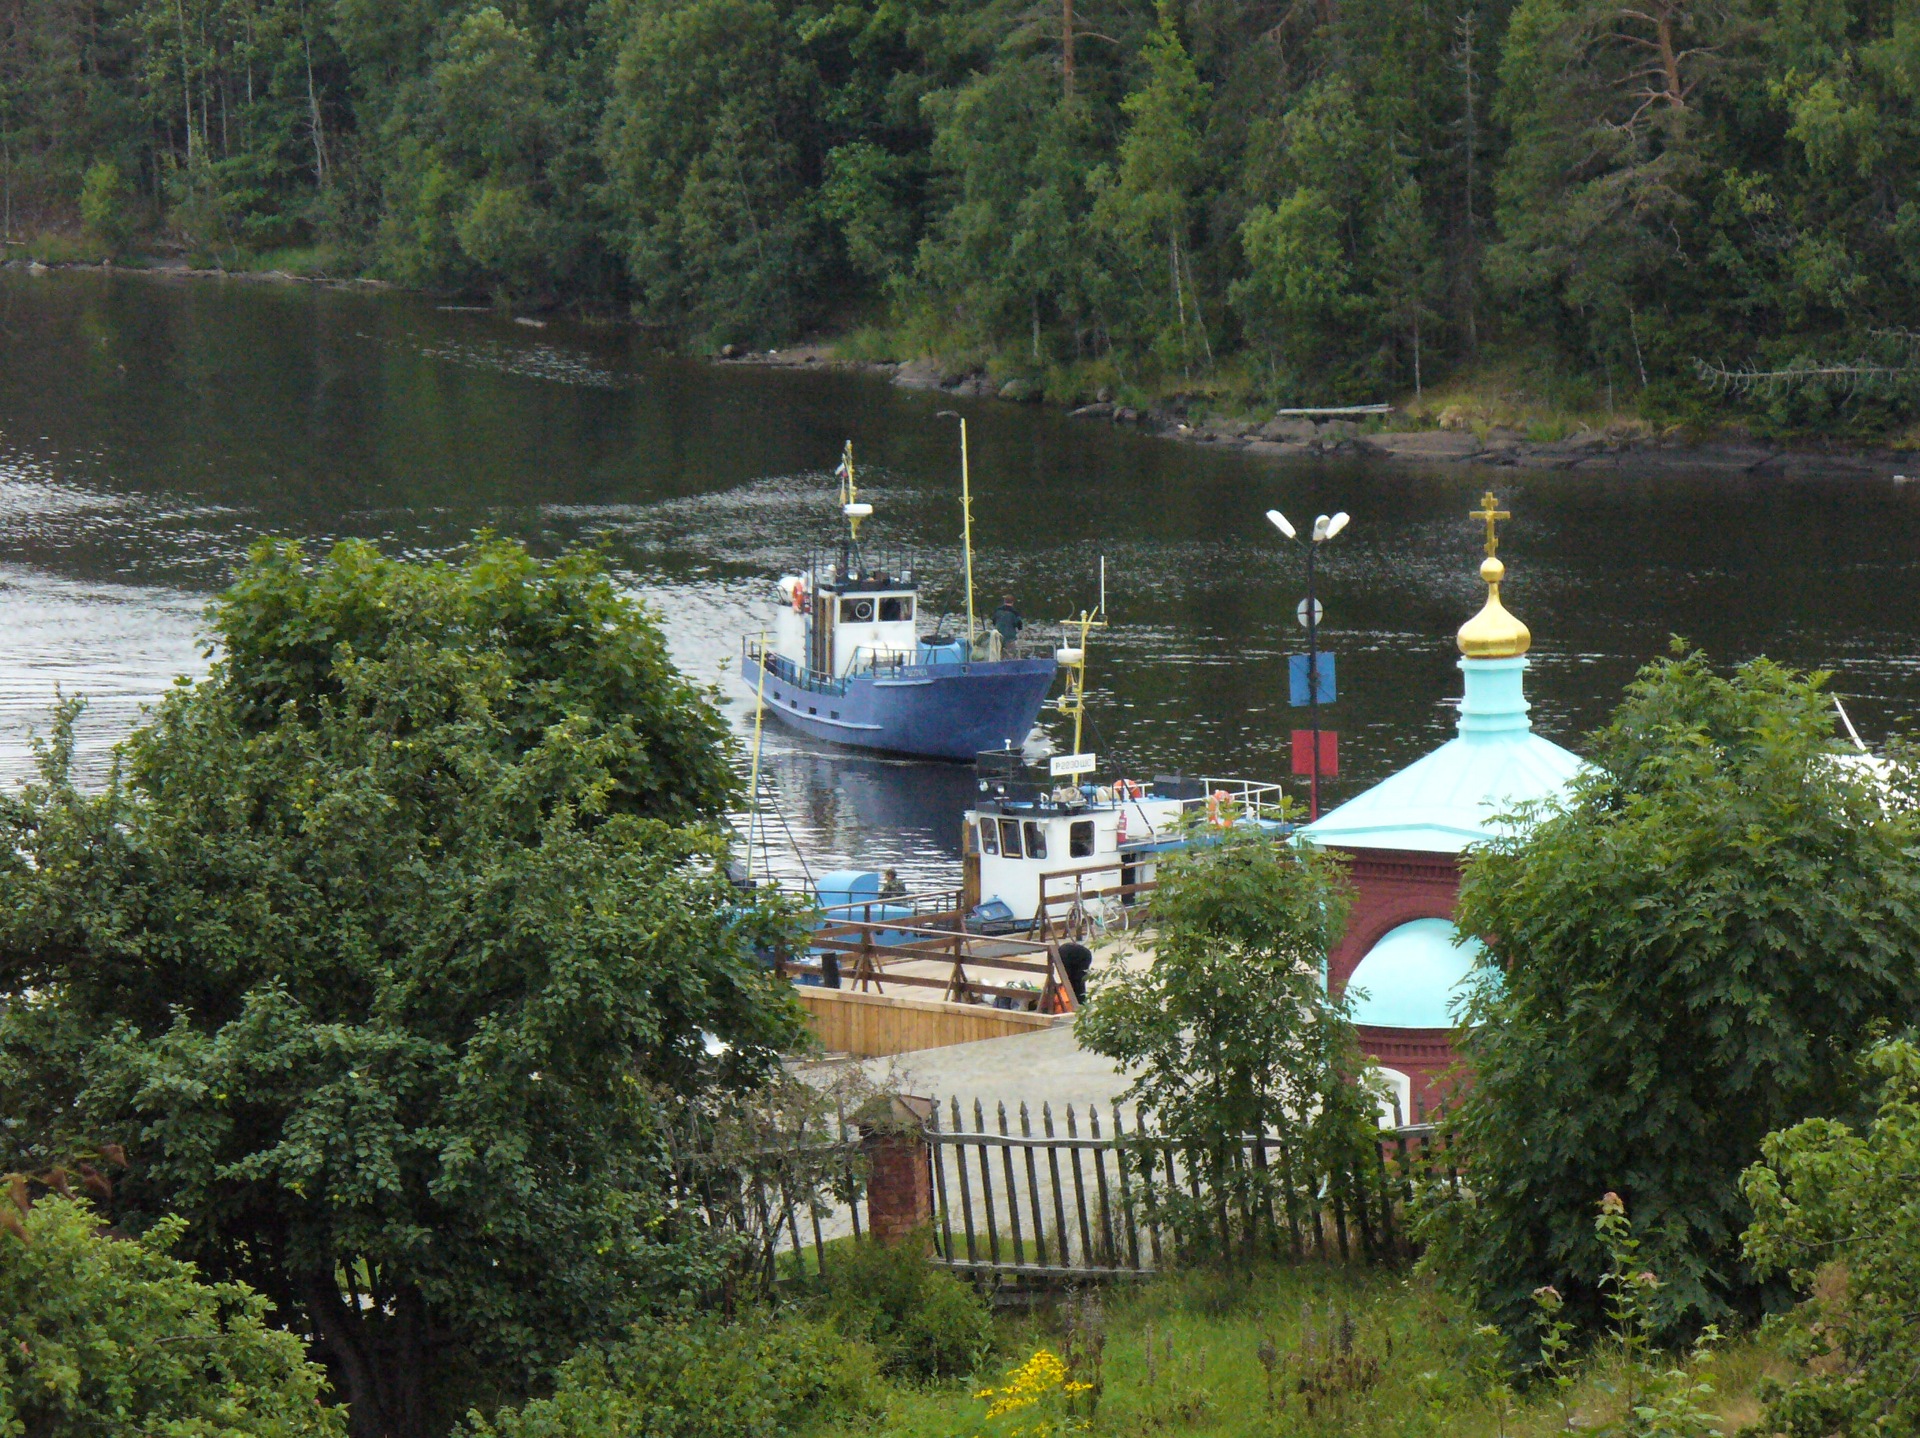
(930, 711)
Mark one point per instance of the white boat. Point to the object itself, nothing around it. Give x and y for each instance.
(1034, 845)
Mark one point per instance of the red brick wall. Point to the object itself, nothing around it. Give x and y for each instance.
(899, 1183)
(1392, 887)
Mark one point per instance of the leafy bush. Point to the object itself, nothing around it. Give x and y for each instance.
(1691, 953)
(1230, 1030)
(100, 1335)
(1840, 1213)
(106, 206)
(759, 1377)
(924, 1323)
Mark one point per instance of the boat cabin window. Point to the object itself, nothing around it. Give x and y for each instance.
(854, 611)
(1036, 840)
(989, 836)
(1080, 839)
(896, 607)
(1010, 838)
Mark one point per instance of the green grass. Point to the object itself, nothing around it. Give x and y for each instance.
(54, 247)
(1353, 1352)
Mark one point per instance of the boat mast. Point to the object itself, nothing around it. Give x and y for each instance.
(850, 504)
(1073, 658)
(966, 528)
(753, 786)
(966, 521)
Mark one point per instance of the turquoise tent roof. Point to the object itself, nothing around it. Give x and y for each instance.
(1412, 976)
(1449, 799)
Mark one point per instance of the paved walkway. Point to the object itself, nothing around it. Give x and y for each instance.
(1045, 1066)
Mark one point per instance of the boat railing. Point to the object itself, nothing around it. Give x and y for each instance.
(1094, 899)
(931, 907)
(1248, 798)
(784, 669)
(948, 963)
(874, 660)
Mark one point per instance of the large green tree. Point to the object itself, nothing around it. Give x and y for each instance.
(1230, 1031)
(1688, 957)
(389, 954)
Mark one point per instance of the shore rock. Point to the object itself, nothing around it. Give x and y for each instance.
(920, 374)
(1294, 431)
(1433, 445)
(1099, 409)
(1021, 391)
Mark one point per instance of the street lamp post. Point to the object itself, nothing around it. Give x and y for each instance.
(1324, 528)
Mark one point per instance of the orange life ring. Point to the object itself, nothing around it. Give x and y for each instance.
(1127, 789)
(799, 598)
(1217, 803)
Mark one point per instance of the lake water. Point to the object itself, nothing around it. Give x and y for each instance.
(151, 428)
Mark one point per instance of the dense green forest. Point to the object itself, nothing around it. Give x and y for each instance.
(1673, 205)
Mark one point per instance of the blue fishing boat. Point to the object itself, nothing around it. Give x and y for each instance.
(847, 661)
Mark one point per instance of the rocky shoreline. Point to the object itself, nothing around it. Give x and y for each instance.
(1299, 437)
(1285, 437)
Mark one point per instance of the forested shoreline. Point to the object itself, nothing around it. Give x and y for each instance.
(1691, 212)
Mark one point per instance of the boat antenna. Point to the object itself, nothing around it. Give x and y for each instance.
(966, 518)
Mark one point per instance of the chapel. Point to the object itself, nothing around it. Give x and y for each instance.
(1404, 838)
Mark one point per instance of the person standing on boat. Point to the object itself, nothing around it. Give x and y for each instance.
(1008, 621)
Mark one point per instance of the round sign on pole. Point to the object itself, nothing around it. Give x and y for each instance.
(1319, 612)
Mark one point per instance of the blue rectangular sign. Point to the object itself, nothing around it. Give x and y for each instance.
(1297, 679)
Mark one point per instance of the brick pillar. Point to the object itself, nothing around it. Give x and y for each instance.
(899, 1165)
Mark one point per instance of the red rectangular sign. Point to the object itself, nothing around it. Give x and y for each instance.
(1303, 752)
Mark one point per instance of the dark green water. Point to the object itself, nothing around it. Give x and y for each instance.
(150, 428)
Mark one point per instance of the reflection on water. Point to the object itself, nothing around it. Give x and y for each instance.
(150, 429)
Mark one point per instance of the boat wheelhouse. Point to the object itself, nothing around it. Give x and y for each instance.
(1038, 847)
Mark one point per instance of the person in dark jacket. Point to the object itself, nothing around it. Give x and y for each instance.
(1008, 621)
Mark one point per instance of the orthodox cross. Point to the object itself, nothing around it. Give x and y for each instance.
(1489, 510)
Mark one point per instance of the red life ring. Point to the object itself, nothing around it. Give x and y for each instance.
(1217, 803)
(799, 597)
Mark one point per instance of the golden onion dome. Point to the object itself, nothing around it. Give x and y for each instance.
(1493, 633)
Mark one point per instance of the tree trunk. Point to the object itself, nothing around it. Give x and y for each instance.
(1179, 299)
(314, 120)
(342, 1343)
(1066, 48)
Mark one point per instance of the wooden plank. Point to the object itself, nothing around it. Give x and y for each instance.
(939, 1187)
(1125, 1182)
(1033, 1189)
(1100, 1185)
(986, 1185)
(878, 1025)
(1050, 1271)
(1333, 409)
(966, 1195)
(1013, 1188)
(1079, 1193)
(1059, 1201)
